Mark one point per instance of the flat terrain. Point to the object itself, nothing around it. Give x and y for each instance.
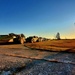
(17, 59)
(54, 45)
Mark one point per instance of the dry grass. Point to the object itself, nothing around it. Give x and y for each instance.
(54, 45)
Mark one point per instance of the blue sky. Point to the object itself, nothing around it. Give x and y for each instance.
(38, 17)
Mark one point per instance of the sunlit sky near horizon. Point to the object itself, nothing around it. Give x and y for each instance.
(38, 17)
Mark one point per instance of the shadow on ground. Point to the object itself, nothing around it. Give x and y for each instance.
(9, 43)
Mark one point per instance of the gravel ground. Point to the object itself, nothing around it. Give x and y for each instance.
(63, 56)
(42, 67)
(14, 57)
(48, 68)
(8, 62)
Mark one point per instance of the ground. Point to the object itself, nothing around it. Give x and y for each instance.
(17, 59)
(54, 45)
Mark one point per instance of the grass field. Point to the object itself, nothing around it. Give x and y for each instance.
(54, 45)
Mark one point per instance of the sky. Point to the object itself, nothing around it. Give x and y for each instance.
(38, 17)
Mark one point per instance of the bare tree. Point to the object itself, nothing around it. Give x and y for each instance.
(58, 36)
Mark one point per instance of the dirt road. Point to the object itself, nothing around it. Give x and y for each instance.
(20, 60)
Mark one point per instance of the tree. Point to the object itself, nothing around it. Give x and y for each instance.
(22, 35)
(58, 36)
